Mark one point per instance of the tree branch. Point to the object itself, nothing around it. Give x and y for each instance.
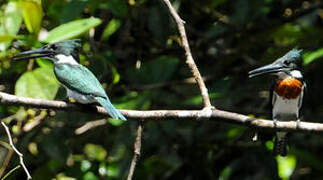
(137, 149)
(196, 115)
(189, 58)
(21, 156)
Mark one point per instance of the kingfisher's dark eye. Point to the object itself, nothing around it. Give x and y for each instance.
(53, 47)
(287, 62)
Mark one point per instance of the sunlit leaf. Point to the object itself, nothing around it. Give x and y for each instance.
(72, 29)
(269, 145)
(39, 83)
(33, 15)
(95, 152)
(311, 56)
(286, 166)
(10, 22)
(116, 122)
(111, 28)
(4, 38)
(85, 165)
(44, 63)
(116, 75)
(90, 176)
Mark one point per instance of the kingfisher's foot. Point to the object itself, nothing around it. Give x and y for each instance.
(72, 100)
(255, 137)
(69, 100)
(275, 122)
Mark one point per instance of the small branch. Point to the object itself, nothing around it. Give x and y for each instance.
(189, 58)
(179, 115)
(137, 148)
(90, 125)
(21, 157)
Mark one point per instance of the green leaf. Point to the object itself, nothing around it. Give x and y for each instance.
(44, 63)
(85, 165)
(72, 29)
(154, 71)
(116, 75)
(5, 38)
(90, 176)
(10, 22)
(118, 8)
(39, 83)
(72, 9)
(116, 122)
(159, 24)
(113, 170)
(111, 28)
(269, 145)
(95, 152)
(33, 15)
(62, 176)
(134, 100)
(225, 173)
(286, 166)
(287, 34)
(55, 146)
(311, 56)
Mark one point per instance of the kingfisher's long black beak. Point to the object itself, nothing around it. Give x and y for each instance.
(37, 53)
(268, 69)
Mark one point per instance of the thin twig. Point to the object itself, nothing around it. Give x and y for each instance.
(189, 58)
(21, 156)
(11, 171)
(179, 115)
(137, 149)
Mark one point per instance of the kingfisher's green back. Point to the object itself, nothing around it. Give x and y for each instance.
(78, 78)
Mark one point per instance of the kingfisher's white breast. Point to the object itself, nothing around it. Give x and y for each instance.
(285, 109)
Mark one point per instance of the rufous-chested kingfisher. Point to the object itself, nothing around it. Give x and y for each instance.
(287, 92)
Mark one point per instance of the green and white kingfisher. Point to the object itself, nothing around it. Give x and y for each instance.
(287, 92)
(79, 82)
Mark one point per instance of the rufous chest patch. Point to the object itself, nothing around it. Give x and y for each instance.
(289, 88)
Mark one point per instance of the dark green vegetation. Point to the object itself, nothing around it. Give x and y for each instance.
(134, 49)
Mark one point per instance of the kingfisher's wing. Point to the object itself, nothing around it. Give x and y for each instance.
(79, 79)
(272, 98)
(300, 101)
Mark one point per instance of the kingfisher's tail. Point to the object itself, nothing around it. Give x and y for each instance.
(106, 104)
(280, 144)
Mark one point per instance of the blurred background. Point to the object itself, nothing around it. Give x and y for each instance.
(134, 49)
